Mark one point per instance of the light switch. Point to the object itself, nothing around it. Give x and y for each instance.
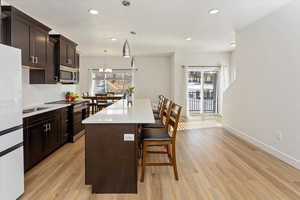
(128, 137)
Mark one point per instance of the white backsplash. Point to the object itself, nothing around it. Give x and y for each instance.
(35, 94)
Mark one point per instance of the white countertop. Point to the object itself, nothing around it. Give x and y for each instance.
(120, 113)
(50, 107)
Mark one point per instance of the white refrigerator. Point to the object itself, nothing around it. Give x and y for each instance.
(11, 131)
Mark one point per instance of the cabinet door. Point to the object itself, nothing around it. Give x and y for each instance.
(77, 60)
(35, 143)
(63, 53)
(71, 55)
(0, 24)
(50, 70)
(38, 46)
(53, 135)
(20, 33)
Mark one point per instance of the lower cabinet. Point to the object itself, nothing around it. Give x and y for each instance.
(43, 134)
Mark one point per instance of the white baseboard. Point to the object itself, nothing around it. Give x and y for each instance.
(268, 148)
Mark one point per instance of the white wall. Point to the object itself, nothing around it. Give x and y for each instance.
(264, 100)
(38, 94)
(151, 79)
(192, 59)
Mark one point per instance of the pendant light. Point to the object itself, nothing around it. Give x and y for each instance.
(126, 50)
(132, 62)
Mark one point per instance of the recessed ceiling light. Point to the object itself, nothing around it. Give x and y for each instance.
(113, 39)
(126, 3)
(93, 11)
(188, 39)
(213, 11)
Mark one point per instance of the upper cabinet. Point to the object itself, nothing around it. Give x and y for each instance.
(0, 24)
(23, 32)
(66, 51)
(42, 54)
(51, 71)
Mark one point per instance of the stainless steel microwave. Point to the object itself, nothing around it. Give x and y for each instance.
(68, 74)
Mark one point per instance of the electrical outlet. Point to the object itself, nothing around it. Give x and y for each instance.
(128, 137)
(279, 135)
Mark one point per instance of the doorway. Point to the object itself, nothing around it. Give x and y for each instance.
(202, 90)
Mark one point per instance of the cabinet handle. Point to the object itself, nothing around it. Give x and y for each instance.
(69, 61)
(45, 128)
(32, 59)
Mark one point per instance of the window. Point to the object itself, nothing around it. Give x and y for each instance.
(116, 82)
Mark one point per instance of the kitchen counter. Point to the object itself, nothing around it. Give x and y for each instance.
(120, 113)
(76, 102)
(111, 146)
(45, 108)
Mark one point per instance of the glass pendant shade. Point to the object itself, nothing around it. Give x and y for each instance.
(132, 62)
(126, 50)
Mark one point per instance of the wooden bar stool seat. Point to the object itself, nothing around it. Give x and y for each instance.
(155, 134)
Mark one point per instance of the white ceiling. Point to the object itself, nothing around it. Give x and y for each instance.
(161, 25)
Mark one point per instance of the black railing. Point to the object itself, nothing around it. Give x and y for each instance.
(209, 102)
(194, 102)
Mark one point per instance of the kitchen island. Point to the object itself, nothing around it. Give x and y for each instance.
(111, 146)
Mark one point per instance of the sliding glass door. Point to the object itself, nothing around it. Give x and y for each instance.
(202, 88)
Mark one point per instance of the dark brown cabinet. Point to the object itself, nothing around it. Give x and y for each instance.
(71, 55)
(63, 52)
(0, 24)
(77, 64)
(66, 51)
(20, 30)
(53, 136)
(34, 143)
(23, 32)
(38, 46)
(51, 70)
(43, 134)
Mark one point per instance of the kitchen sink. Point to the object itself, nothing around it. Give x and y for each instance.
(41, 108)
(30, 110)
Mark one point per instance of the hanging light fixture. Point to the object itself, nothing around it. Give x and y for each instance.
(132, 62)
(126, 50)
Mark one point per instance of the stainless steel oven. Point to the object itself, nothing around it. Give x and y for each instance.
(68, 74)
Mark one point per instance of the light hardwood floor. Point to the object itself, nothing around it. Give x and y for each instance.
(212, 164)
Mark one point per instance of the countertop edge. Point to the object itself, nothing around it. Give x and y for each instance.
(51, 108)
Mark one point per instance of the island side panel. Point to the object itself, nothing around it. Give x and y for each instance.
(111, 162)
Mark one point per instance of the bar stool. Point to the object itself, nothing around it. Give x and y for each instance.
(162, 122)
(162, 137)
(161, 109)
(160, 101)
